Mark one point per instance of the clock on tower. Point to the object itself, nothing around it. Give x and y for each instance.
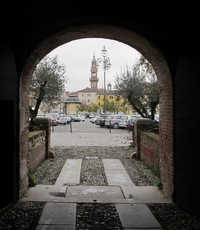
(94, 84)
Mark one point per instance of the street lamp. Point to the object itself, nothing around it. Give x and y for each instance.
(105, 61)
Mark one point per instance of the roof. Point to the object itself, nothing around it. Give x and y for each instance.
(90, 90)
(72, 99)
(99, 91)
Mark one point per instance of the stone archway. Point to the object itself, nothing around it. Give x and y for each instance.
(139, 43)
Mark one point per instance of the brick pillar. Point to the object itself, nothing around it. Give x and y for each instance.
(141, 124)
(44, 123)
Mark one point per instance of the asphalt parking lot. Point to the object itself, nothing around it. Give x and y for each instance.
(88, 134)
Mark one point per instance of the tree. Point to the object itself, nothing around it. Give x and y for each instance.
(88, 108)
(47, 83)
(139, 86)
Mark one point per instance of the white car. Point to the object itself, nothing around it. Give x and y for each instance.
(93, 119)
(82, 118)
(112, 121)
(61, 118)
(123, 121)
(64, 120)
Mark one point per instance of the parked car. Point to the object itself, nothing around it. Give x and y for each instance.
(60, 118)
(82, 118)
(100, 120)
(74, 118)
(112, 121)
(156, 121)
(91, 116)
(123, 121)
(131, 120)
(93, 120)
(54, 121)
(64, 120)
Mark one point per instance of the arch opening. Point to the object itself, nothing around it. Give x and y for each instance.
(147, 49)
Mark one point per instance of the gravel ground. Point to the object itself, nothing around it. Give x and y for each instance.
(25, 215)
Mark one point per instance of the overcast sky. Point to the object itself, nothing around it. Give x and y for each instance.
(78, 54)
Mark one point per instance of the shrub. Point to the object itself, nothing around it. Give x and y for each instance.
(31, 180)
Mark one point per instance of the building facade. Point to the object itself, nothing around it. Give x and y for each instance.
(93, 95)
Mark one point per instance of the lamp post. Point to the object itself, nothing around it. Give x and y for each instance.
(105, 61)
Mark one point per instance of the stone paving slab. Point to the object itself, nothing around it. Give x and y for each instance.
(116, 174)
(55, 227)
(118, 178)
(70, 173)
(61, 214)
(136, 216)
(45, 193)
(114, 164)
(94, 192)
(144, 194)
(76, 194)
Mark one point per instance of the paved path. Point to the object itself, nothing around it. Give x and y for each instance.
(88, 134)
(62, 198)
(130, 201)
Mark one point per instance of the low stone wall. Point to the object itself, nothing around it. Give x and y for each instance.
(39, 142)
(146, 143)
(37, 149)
(149, 149)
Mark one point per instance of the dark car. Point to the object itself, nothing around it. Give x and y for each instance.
(100, 120)
(131, 120)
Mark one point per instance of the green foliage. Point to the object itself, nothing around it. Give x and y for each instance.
(31, 180)
(140, 87)
(89, 108)
(47, 82)
(50, 71)
(156, 171)
(159, 185)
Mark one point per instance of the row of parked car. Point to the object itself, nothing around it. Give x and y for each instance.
(115, 120)
(119, 121)
(58, 118)
(62, 118)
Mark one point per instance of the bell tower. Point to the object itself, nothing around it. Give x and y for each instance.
(94, 79)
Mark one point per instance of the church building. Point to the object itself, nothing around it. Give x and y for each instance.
(89, 95)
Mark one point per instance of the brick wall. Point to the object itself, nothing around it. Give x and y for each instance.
(37, 149)
(149, 149)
